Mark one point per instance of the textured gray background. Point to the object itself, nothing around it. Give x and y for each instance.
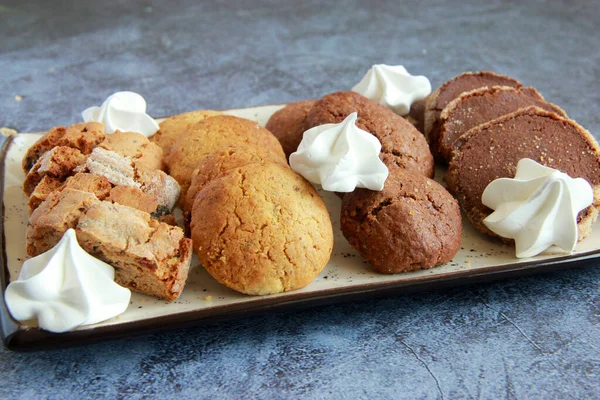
(527, 338)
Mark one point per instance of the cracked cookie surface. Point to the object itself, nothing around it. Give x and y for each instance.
(401, 143)
(261, 229)
(413, 223)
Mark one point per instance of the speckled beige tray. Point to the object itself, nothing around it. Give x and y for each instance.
(346, 275)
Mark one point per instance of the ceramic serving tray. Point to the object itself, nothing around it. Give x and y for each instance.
(346, 276)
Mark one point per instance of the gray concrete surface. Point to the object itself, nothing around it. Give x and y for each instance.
(535, 337)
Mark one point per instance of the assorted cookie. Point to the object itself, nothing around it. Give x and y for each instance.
(289, 124)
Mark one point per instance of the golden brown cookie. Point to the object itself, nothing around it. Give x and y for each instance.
(261, 229)
(172, 127)
(219, 164)
(492, 150)
(289, 123)
(401, 143)
(212, 135)
(413, 223)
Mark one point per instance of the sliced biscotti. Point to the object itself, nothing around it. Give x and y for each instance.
(149, 256)
(482, 105)
(142, 152)
(58, 163)
(60, 211)
(450, 90)
(83, 137)
(492, 150)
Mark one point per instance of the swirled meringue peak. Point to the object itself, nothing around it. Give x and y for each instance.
(123, 111)
(64, 288)
(340, 157)
(538, 208)
(393, 87)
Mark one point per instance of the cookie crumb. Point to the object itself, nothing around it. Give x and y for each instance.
(208, 298)
(18, 97)
(8, 131)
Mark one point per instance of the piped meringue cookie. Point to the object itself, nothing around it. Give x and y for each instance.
(340, 157)
(393, 87)
(123, 111)
(64, 288)
(538, 208)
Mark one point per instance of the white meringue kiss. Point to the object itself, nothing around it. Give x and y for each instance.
(123, 111)
(538, 208)
(64, 288)
(393, 87)
(340, 157)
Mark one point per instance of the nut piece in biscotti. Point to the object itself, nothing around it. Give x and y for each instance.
(482, 105)
(136, 146)
(149, 256)
(401, 143)
(133, 197)
(171, 128)
(261, 229)
(215, 134)
(450, 90)
(219, 164)
(412, 224)
(91, 183)
(58, 163)
(83, 137)
(60, 211)
(46, 186)
(492, 150)
(289, 123)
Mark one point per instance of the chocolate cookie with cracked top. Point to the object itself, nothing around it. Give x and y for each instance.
(482, 105)
(215, 134)
(450, 90)
(171, 128)
(401, 143)
(492, 150)
(412, 224)
(261, 229)
(219, 164)
(289, 123)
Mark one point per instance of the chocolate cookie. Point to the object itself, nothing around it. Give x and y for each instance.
(482, 105)
(453, 88)
(212, 135)
(416, 115)
(401, 143)
(413, 223)
(171, 128)
(289, 123)
(492, 150)
(261, 229)
(219, 164)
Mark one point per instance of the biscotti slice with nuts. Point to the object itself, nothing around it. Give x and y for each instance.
(60, 211)
(58, 163)
(149, 256)
(136, 146)
(83, 137)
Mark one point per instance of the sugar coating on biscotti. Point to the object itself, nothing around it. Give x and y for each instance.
(492, 150)
(401, 143)
(149, 256)
(215, 134)
(412, 224)
(219, 164)
(289, 124)
(261, 229)
(172, 127)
